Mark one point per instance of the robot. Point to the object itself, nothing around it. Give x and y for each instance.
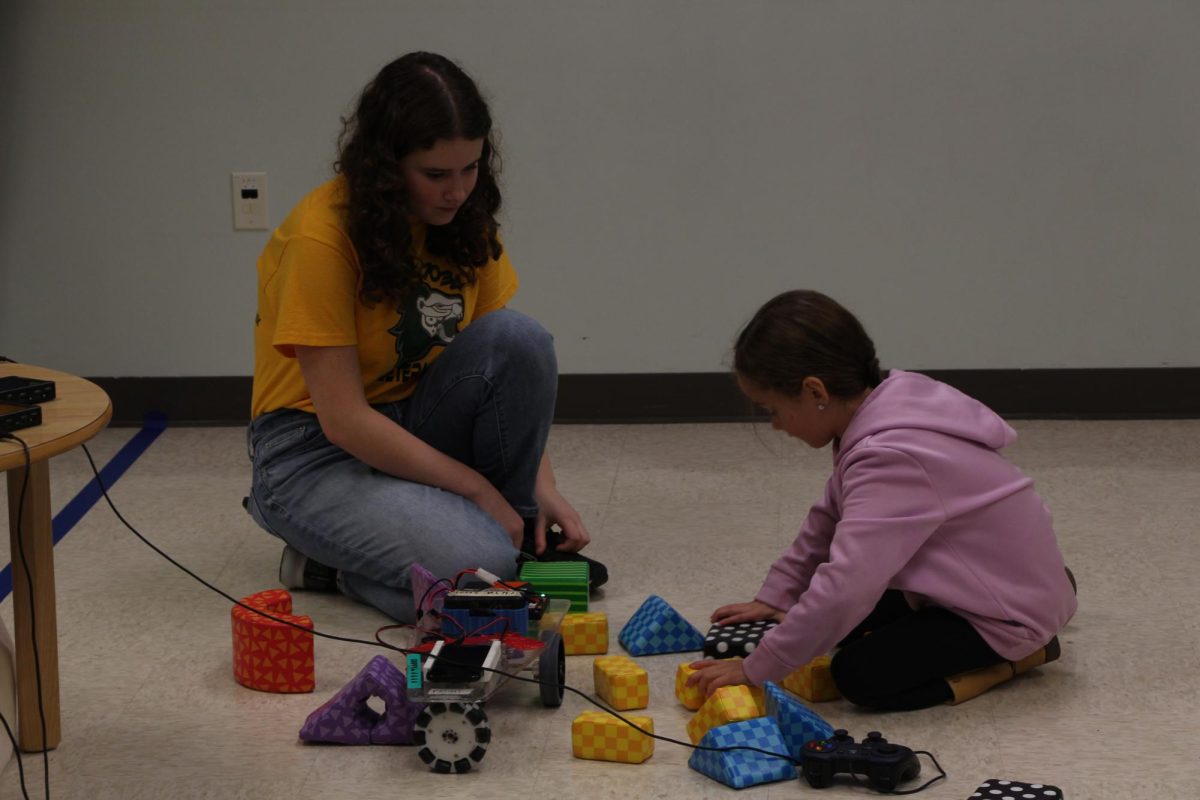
(484, 634)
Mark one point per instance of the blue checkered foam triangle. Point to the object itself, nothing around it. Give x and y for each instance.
(742, 768)
(798, 723)
(657, 628)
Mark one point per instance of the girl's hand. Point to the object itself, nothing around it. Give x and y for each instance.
(554, 508)
(746, 612)
(712, 675)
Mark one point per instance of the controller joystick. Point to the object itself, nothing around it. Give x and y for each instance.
(884, 764)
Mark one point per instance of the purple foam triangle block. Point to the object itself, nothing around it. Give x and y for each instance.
(346, 718)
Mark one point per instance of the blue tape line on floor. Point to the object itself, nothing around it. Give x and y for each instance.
(80, 504)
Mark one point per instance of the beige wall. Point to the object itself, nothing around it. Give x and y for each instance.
(988, 184)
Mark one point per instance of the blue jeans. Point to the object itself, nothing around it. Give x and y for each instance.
(487, 401)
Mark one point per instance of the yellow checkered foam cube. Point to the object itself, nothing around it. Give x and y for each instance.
(692, 697)
(585, 634)
(725, 705)
(621, 683)
(603, 737)
(813, 681)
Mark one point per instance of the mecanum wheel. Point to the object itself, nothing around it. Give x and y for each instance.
(552, 669)
(452, 736)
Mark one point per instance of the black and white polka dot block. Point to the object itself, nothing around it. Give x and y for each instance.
(996, 789)
(730, 641)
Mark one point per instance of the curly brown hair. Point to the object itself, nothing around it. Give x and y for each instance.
(412, 103)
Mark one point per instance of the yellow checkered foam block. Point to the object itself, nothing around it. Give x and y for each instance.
(813, 681)
(585, 634)
(603, 737)
(692, 697)
(725, 705)
(621, 683)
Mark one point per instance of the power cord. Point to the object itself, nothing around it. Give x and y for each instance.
(378, 642)
(37, 660)
(927, 783)
(17, 752)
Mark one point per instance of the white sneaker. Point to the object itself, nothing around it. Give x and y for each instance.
(298, 571)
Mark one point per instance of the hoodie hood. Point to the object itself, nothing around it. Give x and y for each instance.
(908, 400)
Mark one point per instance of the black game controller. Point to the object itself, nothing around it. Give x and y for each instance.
(884, 764)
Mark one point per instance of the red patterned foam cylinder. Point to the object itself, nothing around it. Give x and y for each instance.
(268, 655)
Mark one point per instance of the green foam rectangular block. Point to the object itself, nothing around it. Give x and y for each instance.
(567, 580)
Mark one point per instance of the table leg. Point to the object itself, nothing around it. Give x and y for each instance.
(34, 604)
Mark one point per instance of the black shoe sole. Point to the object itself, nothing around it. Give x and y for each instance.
(597, 572)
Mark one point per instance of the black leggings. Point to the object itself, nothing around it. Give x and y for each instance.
(903, 663)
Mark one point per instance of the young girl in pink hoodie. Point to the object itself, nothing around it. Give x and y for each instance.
(930, 559)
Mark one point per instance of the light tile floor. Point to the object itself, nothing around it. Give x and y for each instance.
(694, 513)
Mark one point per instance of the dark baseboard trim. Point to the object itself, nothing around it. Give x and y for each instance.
(1165, 393)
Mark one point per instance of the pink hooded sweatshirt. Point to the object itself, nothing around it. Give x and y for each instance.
(920, 500)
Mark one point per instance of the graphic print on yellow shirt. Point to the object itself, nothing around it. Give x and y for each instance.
(429, 319)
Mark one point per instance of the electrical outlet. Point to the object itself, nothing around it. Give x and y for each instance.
(250, 201)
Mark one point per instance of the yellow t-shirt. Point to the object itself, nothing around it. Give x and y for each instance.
(308, 294)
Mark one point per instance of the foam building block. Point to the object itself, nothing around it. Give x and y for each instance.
(740, 639)
(692, 697)
(725, 705)
(621, 683)
(271, 656)
(798, 723)
(346, 718)
(742, 768)
(603, 737)
(567, 580)
(813, 681)
(657, 628)
(585, 634)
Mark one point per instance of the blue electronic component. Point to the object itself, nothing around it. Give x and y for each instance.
(484, 612)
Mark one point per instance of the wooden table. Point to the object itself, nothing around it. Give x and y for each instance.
(80, 411)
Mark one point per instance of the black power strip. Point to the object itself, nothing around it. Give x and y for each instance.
(14, 417)
(15, 389)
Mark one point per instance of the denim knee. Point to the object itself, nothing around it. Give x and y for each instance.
(520, 340)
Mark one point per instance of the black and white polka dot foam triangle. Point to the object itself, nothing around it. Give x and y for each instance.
(1016, 790)
(728, 641)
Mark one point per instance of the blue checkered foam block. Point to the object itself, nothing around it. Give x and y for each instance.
(658, 628)
(798, 723)
(742, 768)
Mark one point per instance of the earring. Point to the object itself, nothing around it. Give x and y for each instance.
(820, 407)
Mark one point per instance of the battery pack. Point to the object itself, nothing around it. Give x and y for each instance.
(468, 612)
